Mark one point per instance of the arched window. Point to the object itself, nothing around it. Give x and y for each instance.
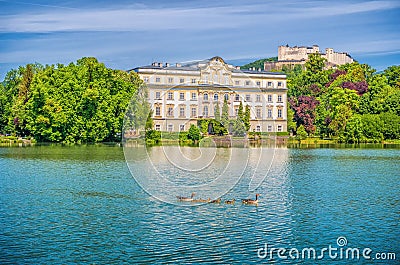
(215, 97)
(226, 97)
(205, 96)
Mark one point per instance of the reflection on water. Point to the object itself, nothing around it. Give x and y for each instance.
(80, 205)
(169, 171)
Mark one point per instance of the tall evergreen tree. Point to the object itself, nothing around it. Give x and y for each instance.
(225, 115)
(217, 113)
(246, 118)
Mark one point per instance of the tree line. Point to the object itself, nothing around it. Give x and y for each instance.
(88, 102)
(75, 103)
(352, 103)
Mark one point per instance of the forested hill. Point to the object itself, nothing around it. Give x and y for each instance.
(259, 63)
(79, 102)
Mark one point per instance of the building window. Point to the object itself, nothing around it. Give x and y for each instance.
(158, 95)
(193, 81)
(269, 84)
(194, 96)
(258, 83)
(194, 111)
(181, 96)
(279, 84)
(269, 98)
(236, 111)
(237, 97)
(279, 128)
(258, 128)
(237, 82)
(170, 96)
(258, 98)
(205, 111)
(248, 98)
(158, 80)
(269, 113)
(227, 80)
(247, 83)
(280, 98)
(182, 127)
(226, 97)
(170, 79)
(270, 128)
(205, 97)
(258, 113)
(279, 113)
(146, 79)
(170, 111)
(182, 80)
(182, 111)
(170, 127)
(158, 127)
(215, 97)
(158, 111)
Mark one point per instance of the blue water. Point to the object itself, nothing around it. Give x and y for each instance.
(80, 205)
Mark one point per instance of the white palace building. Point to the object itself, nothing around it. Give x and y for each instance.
(183, 93)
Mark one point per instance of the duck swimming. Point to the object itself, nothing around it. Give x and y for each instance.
(201, 200)
(230, 201)
(216, 201)
(186, 199)
(251, 201)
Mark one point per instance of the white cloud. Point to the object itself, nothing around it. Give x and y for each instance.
(137, 18)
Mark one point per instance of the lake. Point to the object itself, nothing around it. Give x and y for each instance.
(81, 205)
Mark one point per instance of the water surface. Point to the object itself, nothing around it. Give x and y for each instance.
(80, 204)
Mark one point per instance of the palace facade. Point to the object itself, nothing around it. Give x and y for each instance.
(183, 93)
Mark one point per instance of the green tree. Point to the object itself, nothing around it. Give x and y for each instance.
(240, 115)
(217, 113)
(246, 118)
(291, 124)
(153, 136)
(82, 102)
(238, 128)
(392, 74)
(315, 63)
(194, 133)
(225, 115)
(149, 122)
(301, 133)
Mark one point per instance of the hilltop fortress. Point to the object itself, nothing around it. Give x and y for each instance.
(292, 56)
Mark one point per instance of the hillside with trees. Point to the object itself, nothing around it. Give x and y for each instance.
(351, 104)
(259, 63)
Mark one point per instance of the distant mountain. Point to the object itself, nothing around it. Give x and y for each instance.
(259, 63)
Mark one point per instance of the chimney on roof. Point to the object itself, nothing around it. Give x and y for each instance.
(160, 64)
(237, 67)
(178, 65)
(154, 64)
(166, 64)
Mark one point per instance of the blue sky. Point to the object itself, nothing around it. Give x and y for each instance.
(126, 34)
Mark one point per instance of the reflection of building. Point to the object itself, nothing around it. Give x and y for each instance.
(181, 94)
(292, 56)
